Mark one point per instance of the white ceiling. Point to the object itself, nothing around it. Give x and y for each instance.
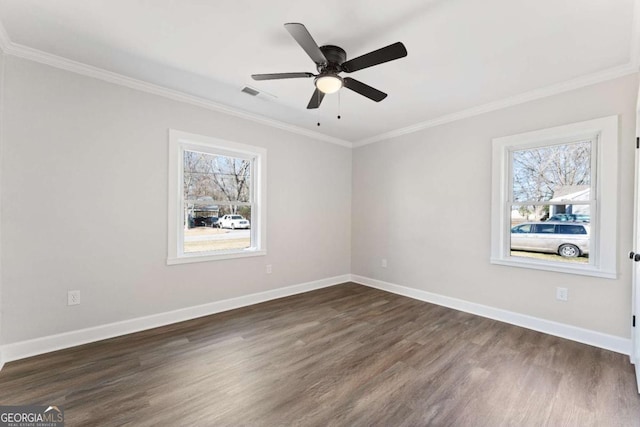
(465, 56)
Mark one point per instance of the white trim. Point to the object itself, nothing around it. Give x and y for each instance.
(1, 158)
(580, 269)
(635, 268)
(574, 333)
(598, 77)
(196, 257)
(23, 349)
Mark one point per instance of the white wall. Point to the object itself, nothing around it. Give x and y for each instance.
(84, 205)
(423, 202)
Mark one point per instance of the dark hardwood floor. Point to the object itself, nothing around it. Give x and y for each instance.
(341, 356)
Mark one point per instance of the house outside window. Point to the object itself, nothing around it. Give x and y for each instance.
(554, 199)
(217, 199)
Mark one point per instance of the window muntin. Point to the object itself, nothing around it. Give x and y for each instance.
(217, 199)
(586, 196)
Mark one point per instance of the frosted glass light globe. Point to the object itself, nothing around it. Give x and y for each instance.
(329, 83)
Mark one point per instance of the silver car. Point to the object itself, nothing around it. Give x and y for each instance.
(569, 239)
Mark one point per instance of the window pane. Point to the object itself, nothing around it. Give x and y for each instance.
(216, 177)
(556, 172)
(558, 233)
(230, 231)
(217, 210)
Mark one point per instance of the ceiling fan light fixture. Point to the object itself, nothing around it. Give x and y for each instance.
(330, 60)
(329, 83)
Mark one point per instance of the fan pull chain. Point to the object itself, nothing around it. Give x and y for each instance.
(339, 108)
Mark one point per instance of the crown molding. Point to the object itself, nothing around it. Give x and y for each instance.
(610, 74)
(633, 66)
(36, 55)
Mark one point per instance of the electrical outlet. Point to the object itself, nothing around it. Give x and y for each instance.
(562, 294)
(73, 297)
(269, 270)
(384, 263)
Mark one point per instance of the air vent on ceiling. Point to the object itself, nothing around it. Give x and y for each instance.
(250, 91)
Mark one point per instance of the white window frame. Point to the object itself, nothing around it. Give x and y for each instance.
(603, 133)
(179, 142)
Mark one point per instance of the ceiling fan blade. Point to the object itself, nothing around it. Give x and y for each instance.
(316, 99)
(380, 56)
(363, 89)
(301, 35)
(276, 76)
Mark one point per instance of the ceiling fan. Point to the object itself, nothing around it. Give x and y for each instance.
(332, 60)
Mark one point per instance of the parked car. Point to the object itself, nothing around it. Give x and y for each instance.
(233, 222)
(203, 221)
(570, 217)
(569, 239)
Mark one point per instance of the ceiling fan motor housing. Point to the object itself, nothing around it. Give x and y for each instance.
(335, 57)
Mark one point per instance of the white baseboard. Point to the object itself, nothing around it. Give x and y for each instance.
(585, 336)
(23, 349)
(638, 376)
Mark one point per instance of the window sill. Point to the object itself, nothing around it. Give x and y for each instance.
(585, 270)
(187, 259)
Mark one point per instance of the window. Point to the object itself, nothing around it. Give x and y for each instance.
(217, 197)
(545, 228)
(525, 228)
(570, 229)
(554, 199)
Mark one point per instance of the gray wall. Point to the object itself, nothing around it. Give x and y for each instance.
(84, 205)
(423, 202)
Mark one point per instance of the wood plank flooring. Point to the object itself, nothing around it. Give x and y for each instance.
(341, 356)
